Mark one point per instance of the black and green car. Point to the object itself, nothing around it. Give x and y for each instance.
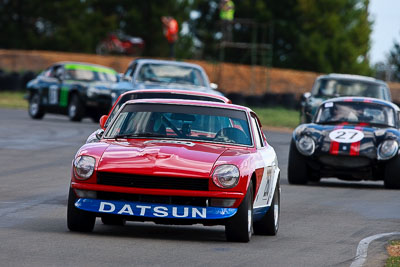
(76, 89)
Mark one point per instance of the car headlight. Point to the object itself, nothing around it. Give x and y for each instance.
(84, 167)
(226, 176)
(306, 145)
(387, 149)
(91, 91)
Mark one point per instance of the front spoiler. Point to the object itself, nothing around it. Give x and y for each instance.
(151, 210)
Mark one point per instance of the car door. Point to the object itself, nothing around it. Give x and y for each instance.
(268, 165)
(51, 85)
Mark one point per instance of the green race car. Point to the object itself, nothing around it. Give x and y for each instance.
(72, 88)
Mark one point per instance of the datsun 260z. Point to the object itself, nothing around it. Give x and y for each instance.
(178, 162)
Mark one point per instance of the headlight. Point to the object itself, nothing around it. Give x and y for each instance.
(226, 176)
(84, 167)
(305, 145)
(387, 149)
(91, 91)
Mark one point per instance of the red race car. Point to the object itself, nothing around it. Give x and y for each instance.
(178, 162)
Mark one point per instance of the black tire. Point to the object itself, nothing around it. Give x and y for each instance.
(75, 108)
(239, 228)
(269, 224)
(78, 220)
(391, 177)
(113, 220)
(297, 167)
(35, 109)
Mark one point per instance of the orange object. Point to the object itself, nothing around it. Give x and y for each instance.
(172, 30)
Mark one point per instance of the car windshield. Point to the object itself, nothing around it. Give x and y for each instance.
(170, 74)
(355, 113)
(183, 122)
(333, 87)
(149, 95)
(89, 73)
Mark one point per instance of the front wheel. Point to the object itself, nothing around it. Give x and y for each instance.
(391, 173)
(78, 220)
(297, 167)
(75, 108)
(239, 228)
(269, 224)
(35, 109)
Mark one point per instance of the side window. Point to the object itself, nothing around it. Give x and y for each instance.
(131, 70)
(257, 133)
(55, 71)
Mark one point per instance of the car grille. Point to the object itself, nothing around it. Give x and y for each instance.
(155, 199)
(155, 182)
(344, 161)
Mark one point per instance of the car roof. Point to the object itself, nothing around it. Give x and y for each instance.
(180, 91)
(339, 76)
(189, 103)
(362, 99)
(163, 61)
(80, 63)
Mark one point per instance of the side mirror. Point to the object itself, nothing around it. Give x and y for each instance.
(99, 134)
(305, 96)
(214, 86)
(103, 120)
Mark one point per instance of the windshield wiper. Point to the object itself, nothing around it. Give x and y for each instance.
(138, 135)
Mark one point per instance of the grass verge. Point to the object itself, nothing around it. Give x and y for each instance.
(278, 117)
(275, 117)
(13, 100)
(394, 254)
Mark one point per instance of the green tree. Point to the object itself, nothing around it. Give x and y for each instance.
(394, 61)
(322, 36)
(333, 36)
(79, 25)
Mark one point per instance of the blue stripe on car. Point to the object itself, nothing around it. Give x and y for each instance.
(153, 210)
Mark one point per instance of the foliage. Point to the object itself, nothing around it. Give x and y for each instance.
(394, 61)
(393, 262)
(79, 25)
(322, 36)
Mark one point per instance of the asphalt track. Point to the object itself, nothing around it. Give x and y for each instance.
(321, 224)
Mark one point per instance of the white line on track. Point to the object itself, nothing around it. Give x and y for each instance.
(362, 249)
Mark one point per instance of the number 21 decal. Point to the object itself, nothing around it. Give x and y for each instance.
(346, 135)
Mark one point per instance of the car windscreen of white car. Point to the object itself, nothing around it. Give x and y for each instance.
(170, 74)
(334, 87)
(183, 122)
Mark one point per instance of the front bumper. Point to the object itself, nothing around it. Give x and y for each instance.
(151, 210)
(346, 167)
(160, 192)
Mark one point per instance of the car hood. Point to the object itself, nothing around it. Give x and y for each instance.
(160, 157)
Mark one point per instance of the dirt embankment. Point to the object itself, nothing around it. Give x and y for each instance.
(231, 78)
